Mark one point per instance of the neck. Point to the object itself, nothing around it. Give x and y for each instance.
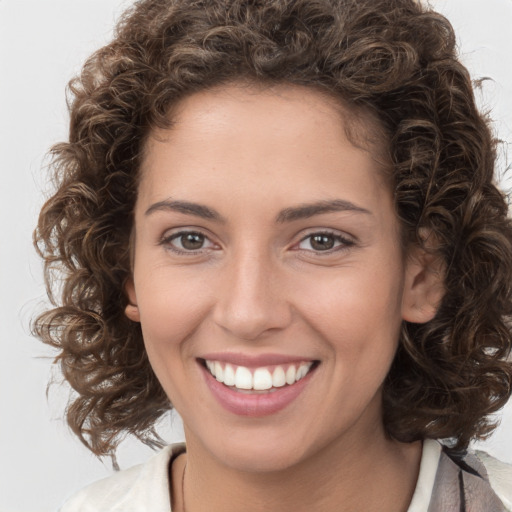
(373, 474)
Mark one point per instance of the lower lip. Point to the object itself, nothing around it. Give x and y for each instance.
(254, 404)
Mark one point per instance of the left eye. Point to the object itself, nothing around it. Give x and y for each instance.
(323, 242)
(186, 241)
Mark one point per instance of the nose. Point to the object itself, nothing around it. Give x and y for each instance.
(251, 298)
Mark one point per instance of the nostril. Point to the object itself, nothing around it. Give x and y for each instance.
(250, 323)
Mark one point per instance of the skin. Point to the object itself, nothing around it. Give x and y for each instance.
(259, 285)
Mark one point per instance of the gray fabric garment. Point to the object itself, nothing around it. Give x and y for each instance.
(462, 485)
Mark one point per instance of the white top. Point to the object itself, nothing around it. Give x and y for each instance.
(146, 487)
(428, 469)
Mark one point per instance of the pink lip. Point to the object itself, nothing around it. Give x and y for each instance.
(257, 404)
(250, 361)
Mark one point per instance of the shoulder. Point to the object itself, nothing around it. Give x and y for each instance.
(130, 490)
(500, 477)
(484, 478)
(466, 480)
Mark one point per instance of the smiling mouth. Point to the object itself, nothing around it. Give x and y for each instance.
(262, 379)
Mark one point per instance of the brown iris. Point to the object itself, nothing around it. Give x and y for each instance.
(192, 241)
(322, 242)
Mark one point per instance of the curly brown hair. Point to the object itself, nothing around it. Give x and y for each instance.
(394, 58)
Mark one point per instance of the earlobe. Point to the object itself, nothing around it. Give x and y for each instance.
(423, 287)
(132, 309)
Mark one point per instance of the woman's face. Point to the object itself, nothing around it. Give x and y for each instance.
(267, 253)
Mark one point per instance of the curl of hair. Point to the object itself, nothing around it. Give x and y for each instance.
(393, 58)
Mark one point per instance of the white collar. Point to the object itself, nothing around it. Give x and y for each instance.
(428, 468)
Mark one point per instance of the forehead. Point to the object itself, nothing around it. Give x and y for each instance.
(300, 107)
(234, 137)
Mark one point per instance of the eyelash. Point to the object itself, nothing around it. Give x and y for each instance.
(167, 241)
(344, 243)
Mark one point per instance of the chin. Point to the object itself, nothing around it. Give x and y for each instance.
(257, 450)
(258, 459)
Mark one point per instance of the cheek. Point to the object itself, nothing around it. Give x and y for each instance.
(358, 312)
(170, 313)
(170, 309)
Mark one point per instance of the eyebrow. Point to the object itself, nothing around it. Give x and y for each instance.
(291, 214)
(310, 210)
(187, 208)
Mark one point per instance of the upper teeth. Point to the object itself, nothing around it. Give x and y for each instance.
(258, 378)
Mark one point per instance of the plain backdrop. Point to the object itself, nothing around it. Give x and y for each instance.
(42, 45)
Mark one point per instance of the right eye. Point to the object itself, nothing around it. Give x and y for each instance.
(187, 241)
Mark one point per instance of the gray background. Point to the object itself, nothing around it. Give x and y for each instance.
(42, 44)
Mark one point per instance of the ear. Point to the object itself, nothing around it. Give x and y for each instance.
(423, 287)
(132, 309)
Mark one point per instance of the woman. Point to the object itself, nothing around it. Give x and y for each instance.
(280, 217)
